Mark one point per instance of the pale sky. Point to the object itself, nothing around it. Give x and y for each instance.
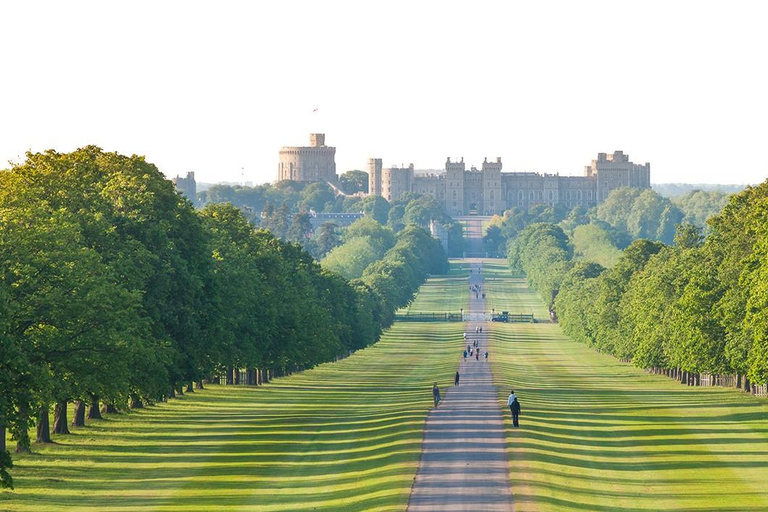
(218, 87)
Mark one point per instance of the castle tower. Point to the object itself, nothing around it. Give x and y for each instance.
(615, 171)
(454, 187)
(374, 177)
(493, 197)
(316, 162)
(396, 181)
(187, 186)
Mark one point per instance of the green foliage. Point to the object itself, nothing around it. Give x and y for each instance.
(372, 206)
(641, 213)
(699, 205)
(316, 196)
(543, 253)
(591, 242)
(354, 181)
(112, 285)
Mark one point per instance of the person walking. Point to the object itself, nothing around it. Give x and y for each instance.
(436, 393)
(456, 379)
(477, 355)
(514, 408)
(465, 355)
(486, 355)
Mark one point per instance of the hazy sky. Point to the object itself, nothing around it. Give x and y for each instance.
(217, 87)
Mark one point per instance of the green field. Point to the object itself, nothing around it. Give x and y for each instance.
(344, 436)
(505, 294)
(443, 294)
(598, 434)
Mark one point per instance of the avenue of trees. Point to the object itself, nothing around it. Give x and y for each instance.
(116, 291)
(626, 214)
(696, 305)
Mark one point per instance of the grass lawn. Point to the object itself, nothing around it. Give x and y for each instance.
(344, 436)
(503, 293)
(443, 294)
(598, 434)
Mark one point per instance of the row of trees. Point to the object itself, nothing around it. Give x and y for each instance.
(699, 305)
(626, 214)
(114, 289)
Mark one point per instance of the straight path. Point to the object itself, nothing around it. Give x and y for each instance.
(464, 465)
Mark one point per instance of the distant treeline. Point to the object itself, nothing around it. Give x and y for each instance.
(626, 214)
(284, 209)
(698, 305)
(115, 290)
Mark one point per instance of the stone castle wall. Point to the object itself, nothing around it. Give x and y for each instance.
(316, 162)
(488, 190)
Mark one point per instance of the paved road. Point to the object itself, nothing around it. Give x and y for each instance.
(463, 464)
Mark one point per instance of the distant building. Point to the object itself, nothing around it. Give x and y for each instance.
(186, 186)
(317, 162)
(488, 191)
(342, 220)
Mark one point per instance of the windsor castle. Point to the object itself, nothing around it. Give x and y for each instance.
(483, 191)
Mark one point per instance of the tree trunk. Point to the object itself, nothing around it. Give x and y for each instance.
(230, 375)
(60, 418)
(190, 387)
(173, 393)
(43, 425)
(135, 402)
(200, 384)
(93, 409)
(738, 380)
(78, 420)
(108, 409)
(237, 376)
(180, 390)
(746, 383)
(23, 444)
(2, 438)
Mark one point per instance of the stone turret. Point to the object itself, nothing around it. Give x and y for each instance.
(316, 162)
(374, 176)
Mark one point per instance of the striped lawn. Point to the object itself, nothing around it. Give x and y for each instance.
(598, 434)
(344, 436)
(503, 294)
(443, 294)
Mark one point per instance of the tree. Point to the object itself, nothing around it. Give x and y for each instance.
(328, 237)
(316, 196)
(373, 206)
(354, 181)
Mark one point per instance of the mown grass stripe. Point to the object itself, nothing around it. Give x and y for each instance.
(598, 434)
(343, 436)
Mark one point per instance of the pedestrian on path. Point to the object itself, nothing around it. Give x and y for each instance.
(456, 379)
(486, 355)
(465, 355)
(436, 394)
(477, 355)
(514, 408)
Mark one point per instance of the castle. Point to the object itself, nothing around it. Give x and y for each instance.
(488, 191)
(484, 191)
(186, 186)
(317, 162)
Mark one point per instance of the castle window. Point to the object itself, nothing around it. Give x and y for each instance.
(578, 195)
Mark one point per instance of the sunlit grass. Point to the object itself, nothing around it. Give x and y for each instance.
(506, 294)
(344, 436)
(598, 434)
(443, 294)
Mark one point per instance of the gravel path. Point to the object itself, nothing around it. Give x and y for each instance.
(463, 463)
